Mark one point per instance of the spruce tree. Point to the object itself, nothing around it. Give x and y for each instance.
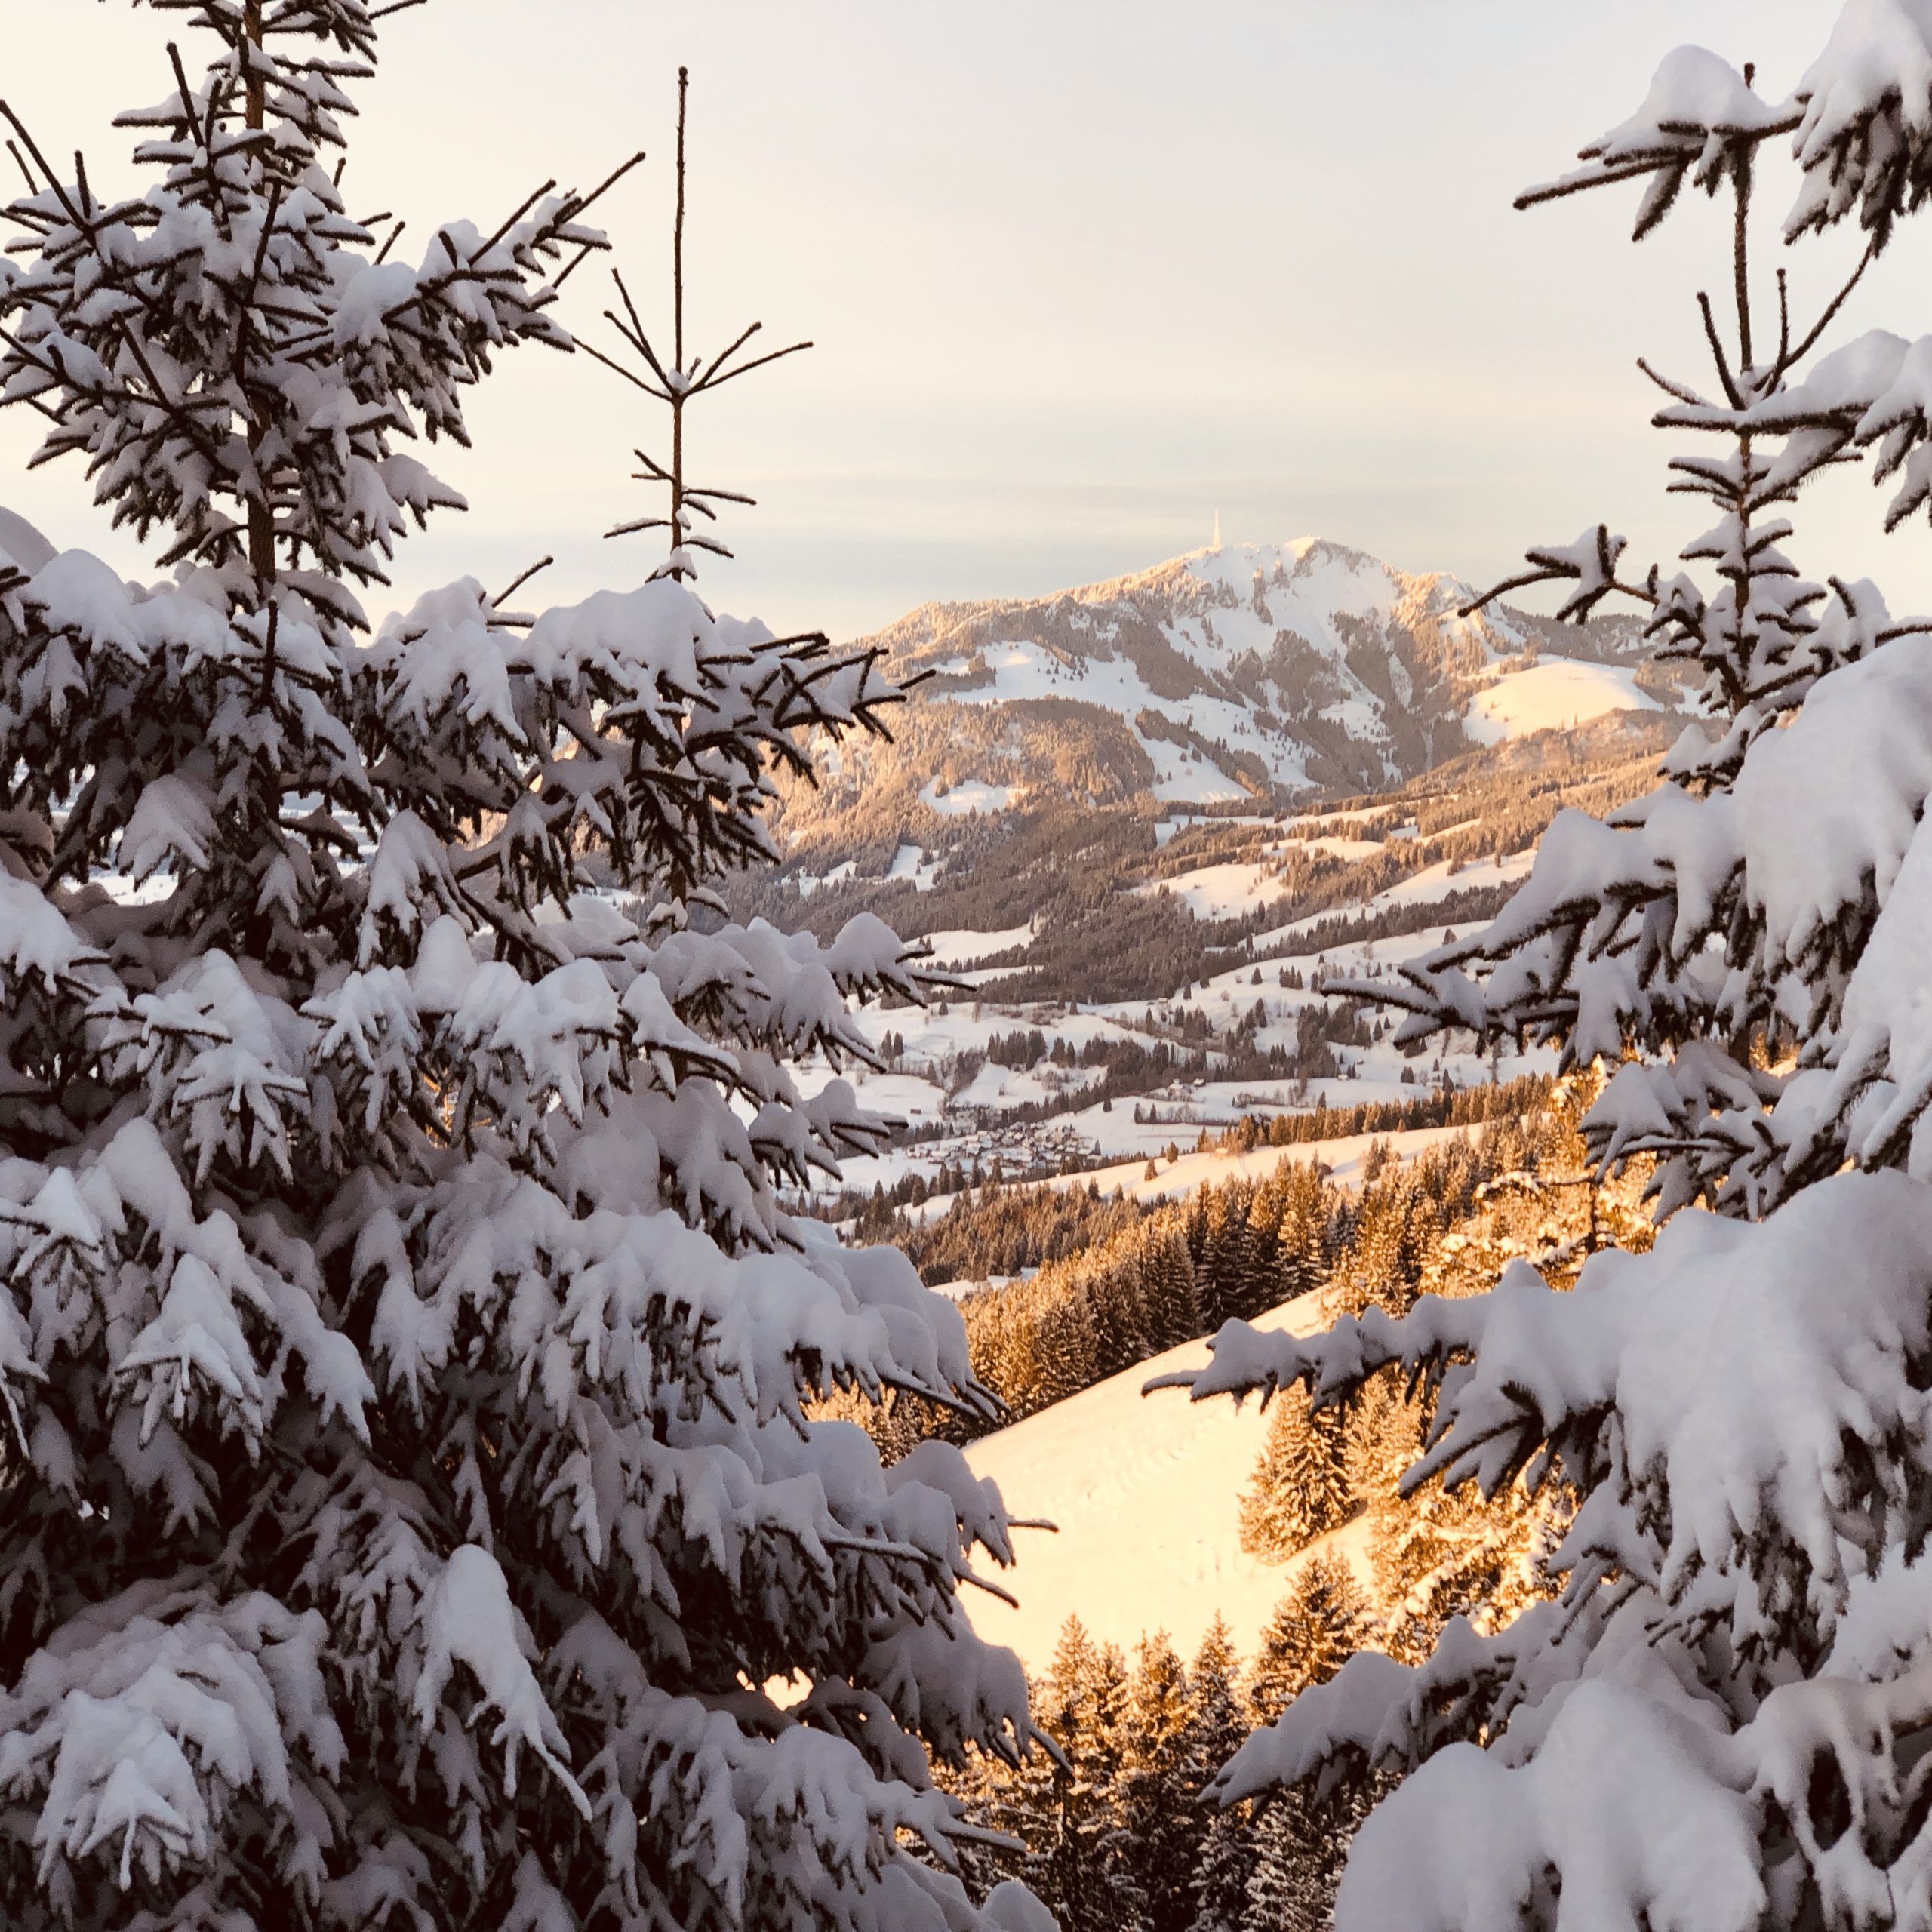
(1298, 1212)
(405, 1355)
(1076, 1868)
(1301, 1487)
(1298, 1845)
(1118, 1316)
(1228, 1267)
(1282, 1892)
(1217, 1886)
(1065, 1340)
(1442, 1554)
(1722, 1722)
(1321, 1623)
(1167, 1285)
(1159, 1816)
(1298, 1839)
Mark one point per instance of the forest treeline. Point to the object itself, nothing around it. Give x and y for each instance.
(1120, 1836)
(1132, 1282)
(993, 1227)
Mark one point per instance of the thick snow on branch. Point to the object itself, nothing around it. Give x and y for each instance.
(1867, 101)
(1860, 117)
(1740, 1659)
(1698, 117)
(1740, 1456)
(469, 1620)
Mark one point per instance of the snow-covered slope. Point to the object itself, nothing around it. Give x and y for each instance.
(1557, 692)
(1146, 1491)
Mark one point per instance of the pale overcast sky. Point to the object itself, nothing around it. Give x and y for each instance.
(1080, 273)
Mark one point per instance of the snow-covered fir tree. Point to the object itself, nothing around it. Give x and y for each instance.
(408, 1487)
(1076, 1860)
(1720, 1723)
(1297, 1839)
(1169, 1288)
(1290, 1886)
(1218, 1889)
(1118, 1837)
(1300, 1488)
(1160, 1811)
(1322, 1620)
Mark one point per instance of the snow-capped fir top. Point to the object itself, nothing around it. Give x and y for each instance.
(230, 341)
(1681, 950)
(1759, 637)
(407, 1360)
(1699, 111)
(1860, 117)
(349, 25)
(1700, 121)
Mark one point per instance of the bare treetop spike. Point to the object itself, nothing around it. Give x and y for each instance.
(676, 384)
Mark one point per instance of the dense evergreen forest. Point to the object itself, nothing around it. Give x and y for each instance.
(997, 1224)
(1122, 1829)
(1118, 1281)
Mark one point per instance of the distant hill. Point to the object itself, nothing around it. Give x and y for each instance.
(1280, 736)
(1260, 674)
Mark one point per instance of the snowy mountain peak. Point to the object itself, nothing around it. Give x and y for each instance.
(1244, 672)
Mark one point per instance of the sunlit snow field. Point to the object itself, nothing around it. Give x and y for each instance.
(1146, 1491)
(1557, 692)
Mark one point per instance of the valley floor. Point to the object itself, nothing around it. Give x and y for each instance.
(1043, 1119)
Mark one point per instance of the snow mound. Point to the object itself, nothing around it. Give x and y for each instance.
(20, 540)
(1223, 891)
(962, 945)
(971, 795)
(1558, 691)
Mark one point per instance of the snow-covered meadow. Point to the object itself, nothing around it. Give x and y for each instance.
(1144, 1492)
(1557, 692)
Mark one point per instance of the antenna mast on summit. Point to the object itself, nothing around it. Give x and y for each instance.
(1216, 544)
